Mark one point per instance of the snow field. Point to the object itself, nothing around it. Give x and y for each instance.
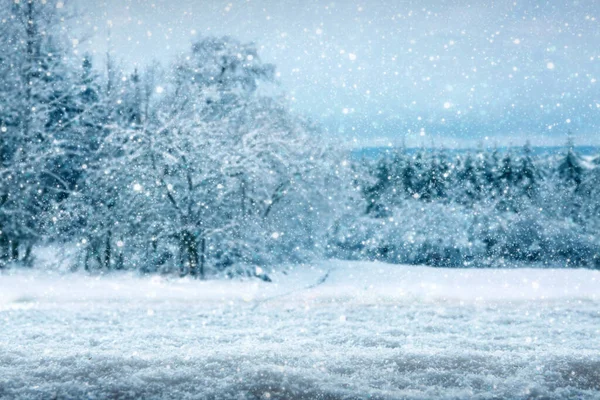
(370, 330)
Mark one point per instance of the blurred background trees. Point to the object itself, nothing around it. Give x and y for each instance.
(200, 168)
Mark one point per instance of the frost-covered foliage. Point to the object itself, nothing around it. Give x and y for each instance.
(481, 209)
(200, 167)
(193, 167)
(45, 129)
(207, 173)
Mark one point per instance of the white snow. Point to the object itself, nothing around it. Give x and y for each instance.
(335, 330)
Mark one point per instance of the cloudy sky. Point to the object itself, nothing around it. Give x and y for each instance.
(374, 72)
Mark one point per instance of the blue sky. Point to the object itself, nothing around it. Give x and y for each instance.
(375, 72)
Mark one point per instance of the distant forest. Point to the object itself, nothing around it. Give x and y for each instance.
(476, 208)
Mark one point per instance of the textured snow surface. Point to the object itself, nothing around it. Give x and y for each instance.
(339, 330)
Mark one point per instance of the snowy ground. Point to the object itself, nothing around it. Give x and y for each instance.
(369, 330)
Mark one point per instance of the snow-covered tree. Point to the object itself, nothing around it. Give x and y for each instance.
(40, 108)
(570, 168)
(211, 173)
(527, 177)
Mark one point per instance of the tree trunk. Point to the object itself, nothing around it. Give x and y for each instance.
(27, 257)
(4, 246)
(32, 51)
(190, 247)
(14, 250)
(120, 262)
(202, 256)
(86, 261)
(108, 250)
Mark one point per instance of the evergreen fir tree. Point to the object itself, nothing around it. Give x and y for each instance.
(491, 172)
(527, 176)
(570, 168)
(375, 194)
(435, 178)
(468, 181)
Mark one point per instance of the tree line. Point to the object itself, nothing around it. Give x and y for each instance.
(159, 169)
(479, 208)
(199, 167)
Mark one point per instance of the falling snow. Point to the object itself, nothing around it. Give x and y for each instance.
(271, 199)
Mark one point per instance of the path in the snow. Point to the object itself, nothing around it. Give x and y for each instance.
(369, 331)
